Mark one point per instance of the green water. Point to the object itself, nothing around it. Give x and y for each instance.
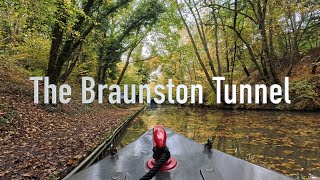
(286, 142)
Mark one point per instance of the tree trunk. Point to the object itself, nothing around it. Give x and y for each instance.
(68, 71)
(235, 41)
(217, 42)
(261, 15)
(72, 64)
(57, 35)
(252, 56)
(202, 37)
(245, 69)
(125, 65)
(103, 74)
(196, 50)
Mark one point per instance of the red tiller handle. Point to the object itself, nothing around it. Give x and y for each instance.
(159, 136)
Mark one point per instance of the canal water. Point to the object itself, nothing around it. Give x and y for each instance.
(286, 142)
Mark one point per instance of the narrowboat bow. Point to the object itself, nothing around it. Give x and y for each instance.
(166, 155)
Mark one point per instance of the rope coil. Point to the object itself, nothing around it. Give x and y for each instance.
(156, 168)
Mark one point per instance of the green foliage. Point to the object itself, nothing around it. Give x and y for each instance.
(304, 90)
(131, 76)
(32, 54)
(124, 31)
(20, 19)
(211, 99)
(304, 95)
(25, 28)
(101, 35)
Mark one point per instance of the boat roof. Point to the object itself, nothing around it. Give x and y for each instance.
(194, 162)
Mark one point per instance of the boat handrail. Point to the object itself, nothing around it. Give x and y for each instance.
(106, 147)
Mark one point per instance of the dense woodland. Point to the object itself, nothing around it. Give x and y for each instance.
(150, 41)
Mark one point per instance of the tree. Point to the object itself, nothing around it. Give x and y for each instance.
(72, 26)
(120, 38)
(196, 50)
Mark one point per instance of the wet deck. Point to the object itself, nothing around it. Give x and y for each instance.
(193, 163)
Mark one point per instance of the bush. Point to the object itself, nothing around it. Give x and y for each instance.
(304, 94)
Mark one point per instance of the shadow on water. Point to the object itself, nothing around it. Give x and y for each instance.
(287, 142)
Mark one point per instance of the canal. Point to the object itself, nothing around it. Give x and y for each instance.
(286, 142)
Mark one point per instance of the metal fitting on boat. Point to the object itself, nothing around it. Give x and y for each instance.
(208, 145)
(160, 148)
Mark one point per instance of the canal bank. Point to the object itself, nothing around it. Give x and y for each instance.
(108, 146)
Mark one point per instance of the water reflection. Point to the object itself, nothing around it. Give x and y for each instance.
(287, 142)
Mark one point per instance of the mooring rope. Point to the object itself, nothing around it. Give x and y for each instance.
(156, 168)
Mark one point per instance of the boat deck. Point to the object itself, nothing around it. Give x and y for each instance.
(194, 163)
